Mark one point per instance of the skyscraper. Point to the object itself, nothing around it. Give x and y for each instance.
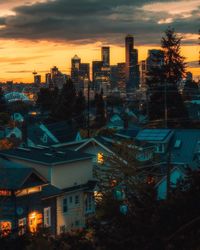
(132, 67)
(75, 67)
(105, 56)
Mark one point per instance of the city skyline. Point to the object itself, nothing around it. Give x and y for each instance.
(28, 44)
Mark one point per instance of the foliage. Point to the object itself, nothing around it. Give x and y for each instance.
(64, 106)
(46, 98)
(100, 111)
(163, 83)
(149, 223)
(79, 109)
(4, 118)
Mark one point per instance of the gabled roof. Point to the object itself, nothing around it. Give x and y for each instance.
(36, 135)
(62, 131)
(17, 178)
(185, 146)
(50, 191)
(44, 155)
(106, 145)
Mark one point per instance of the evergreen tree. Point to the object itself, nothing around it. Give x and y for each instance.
(46, 98)
(3, 106)
(164, 82)
(79, 109)
(100, 119)
(64, 108)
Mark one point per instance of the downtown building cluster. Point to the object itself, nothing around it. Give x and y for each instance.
(124, 77)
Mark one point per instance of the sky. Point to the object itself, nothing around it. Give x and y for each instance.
(38, 34)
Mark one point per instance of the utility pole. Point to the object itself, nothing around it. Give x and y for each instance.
(168, 177)
(166, 113)
(88, 113)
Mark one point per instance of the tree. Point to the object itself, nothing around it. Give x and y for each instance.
(64, 107)
(46, 98)
(165, 100)
(79, 109)
(100, 111)
(3, 106)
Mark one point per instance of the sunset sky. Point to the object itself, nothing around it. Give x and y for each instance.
(36, 35)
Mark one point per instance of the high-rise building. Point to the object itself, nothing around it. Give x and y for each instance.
(132, 67)
(143, 71)
(75, 67)
(105, 56)
(96, 69)
(155, 59)
(37, 80)
(84, 75)
(121, 67)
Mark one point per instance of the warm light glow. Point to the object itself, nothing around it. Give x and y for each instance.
(34, 220)
(5, 227)
(100, 158)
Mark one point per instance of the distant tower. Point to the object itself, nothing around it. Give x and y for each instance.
(132, 67)
(75, 67)
(105, 56)
(37, 78)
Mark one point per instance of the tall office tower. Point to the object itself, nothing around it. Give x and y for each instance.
(132, 67)
(113, 77)
(37, 80)
(105, 56)
(75, 67)
(96, 69)
(155, 61)
(84, 75)
(54, 72)
(143, 71)
(121, 76)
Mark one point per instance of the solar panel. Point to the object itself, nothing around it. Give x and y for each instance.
(153, 134)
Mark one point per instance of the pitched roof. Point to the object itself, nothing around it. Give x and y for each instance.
(45, 156)
(16, 178)
(63, 131)
(185, 145)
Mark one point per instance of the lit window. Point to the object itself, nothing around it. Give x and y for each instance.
(100, 158)
(34, 220)
(47, 216)
(65, 205)
(5, 193)
(5, 227)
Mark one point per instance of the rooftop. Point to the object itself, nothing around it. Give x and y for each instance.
(45, 155)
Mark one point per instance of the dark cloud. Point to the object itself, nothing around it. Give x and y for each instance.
(84, 21)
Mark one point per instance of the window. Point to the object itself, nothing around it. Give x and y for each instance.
(100, 158)
(47, 216)
(71, 199)
(65, 205)
(28, 191)
(77, 199)
(5, 227)
(88, 203)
